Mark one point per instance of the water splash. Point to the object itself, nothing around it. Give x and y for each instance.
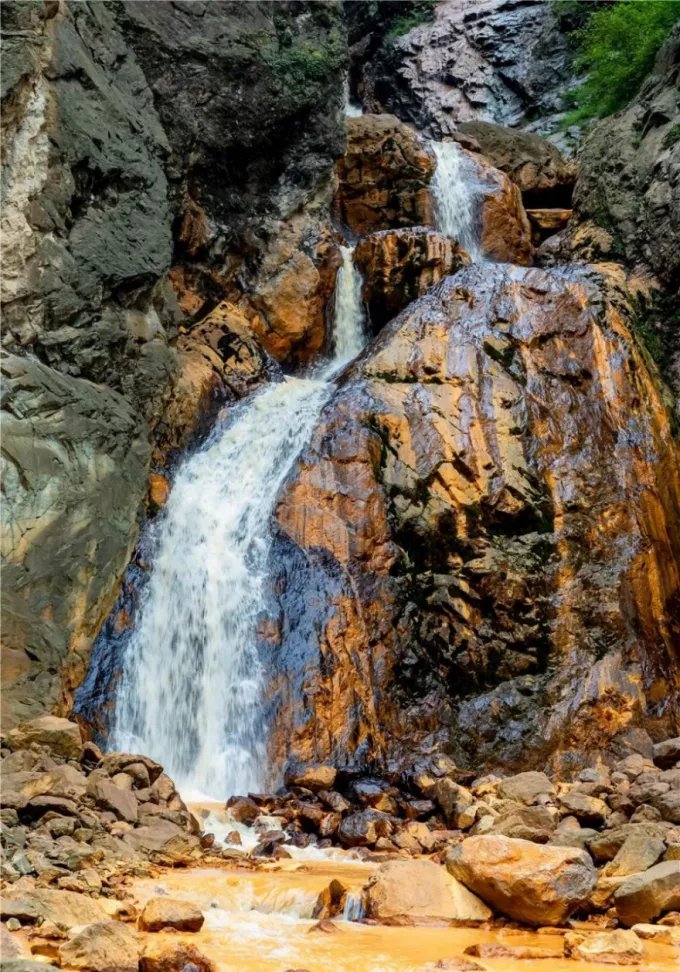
(354, 906)
(455, 198)
(191, 687)
(348, 311)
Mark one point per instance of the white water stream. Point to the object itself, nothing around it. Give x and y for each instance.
(454, 194)
(191, 687)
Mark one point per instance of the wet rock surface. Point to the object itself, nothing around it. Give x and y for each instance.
(397, 266)
(383, 177)
(500, 60)
(118, 121)
(446, 498)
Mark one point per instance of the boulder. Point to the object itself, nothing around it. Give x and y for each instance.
(649, 895)
(638, 852)
(174, 957)
(243, 809)
(102, 947)
(160, 913)
(64, 908)
(383, 177)
(364, 828)
(315, 778)
(535, 884)
(526, 823)
(404, 892)
(59, 736)
(535, 164)
(589, 810)
(525, 787)
(667, 753)
(121, 802)
(399, 265)
(605, 947)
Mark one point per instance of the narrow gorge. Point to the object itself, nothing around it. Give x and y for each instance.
(341, 485)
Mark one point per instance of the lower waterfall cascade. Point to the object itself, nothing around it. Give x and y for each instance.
(191, 684)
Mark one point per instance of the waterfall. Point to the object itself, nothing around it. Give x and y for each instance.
(454, 197)
(191, 685)
(352, 109)
(348, 310)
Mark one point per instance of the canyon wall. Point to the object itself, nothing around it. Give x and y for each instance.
(131, 160)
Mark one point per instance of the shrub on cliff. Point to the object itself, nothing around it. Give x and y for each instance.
(616, 47)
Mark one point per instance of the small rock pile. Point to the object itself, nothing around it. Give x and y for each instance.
(73, 818)
(533, 849)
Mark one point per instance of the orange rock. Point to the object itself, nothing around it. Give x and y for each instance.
(159, 489)
(399, 265)
(488, 514)
(505, 228)
(384, 175)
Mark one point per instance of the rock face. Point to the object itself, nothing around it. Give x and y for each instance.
(397, 266)
(536, 166)
(625, 185)
(126, 155)
(536, 885)
(441, 512)
(383, 177)
(407, 891)
(500, 60)
(76, 460)
(626, 201)
(504, 230)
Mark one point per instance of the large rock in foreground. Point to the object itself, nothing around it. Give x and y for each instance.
(531, 883)
(405, 892)
(471, 553)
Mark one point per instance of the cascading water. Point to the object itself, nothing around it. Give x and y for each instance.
(348, 308)
(454, 198)
(191, 686)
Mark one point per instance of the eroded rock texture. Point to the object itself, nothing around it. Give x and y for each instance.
(501, 60)
(399, 265)
(628, 182)
(384, 175)
(484, 533)
(250, 99)
(127, 154)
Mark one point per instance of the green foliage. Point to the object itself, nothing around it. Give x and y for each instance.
(299, 65)
(616, 48)
(421, 13)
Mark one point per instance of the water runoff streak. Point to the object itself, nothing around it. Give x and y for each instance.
(191, 686)
(454, 194)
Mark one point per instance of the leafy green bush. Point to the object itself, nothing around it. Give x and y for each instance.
(421, 13)
(616, 48)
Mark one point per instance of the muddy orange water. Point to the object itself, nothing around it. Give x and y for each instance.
(259, 921)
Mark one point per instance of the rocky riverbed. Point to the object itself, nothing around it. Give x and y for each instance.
(105, 866)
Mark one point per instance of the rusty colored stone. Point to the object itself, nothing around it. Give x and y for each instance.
(400, 265)
(488, 512)
(384, 175)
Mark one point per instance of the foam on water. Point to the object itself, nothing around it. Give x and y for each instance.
(191, 687)
(455, 196)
